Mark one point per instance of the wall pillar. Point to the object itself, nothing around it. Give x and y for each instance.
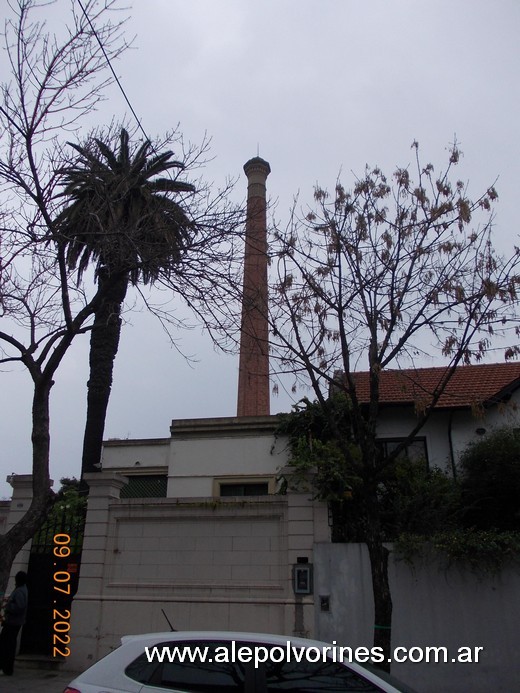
(19, 505)
(87, 607)
(300, 542)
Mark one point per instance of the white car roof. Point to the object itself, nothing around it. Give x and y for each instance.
(109, 671)
(221, 635)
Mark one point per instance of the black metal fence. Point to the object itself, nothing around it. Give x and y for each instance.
(45, 562)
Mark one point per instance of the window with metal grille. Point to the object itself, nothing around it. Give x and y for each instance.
(145, 486)
(245, 489)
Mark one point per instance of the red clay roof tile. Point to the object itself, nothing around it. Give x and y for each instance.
(469, 386)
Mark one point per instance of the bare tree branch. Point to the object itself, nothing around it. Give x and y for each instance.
(53, 80)
(368, 280)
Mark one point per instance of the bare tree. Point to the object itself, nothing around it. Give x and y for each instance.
(47, 294)
(54, 82)
(371, 279)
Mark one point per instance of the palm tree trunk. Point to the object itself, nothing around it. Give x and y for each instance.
(104, 343)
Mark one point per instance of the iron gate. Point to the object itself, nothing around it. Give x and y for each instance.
(41, 583)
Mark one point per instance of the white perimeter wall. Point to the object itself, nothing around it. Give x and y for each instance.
(432, 607)
(211, 565)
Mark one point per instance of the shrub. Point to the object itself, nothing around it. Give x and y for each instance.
(485, 552)
(490, 481)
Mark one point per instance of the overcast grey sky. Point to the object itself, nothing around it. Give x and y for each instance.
(319, 86)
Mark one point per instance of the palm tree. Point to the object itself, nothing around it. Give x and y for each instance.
(122, 216)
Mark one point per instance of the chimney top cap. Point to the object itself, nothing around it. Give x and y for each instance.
(257, 162)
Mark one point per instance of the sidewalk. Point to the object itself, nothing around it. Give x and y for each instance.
(28, 680)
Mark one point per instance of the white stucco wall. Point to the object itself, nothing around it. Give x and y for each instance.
(432, 606)
(200, 454)
(134, 454)
(202, 450)
(465, 424)
(458, 425)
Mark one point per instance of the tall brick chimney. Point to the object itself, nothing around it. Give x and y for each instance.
(253, 376)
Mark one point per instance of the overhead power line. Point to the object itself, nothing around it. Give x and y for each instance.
(118, 82)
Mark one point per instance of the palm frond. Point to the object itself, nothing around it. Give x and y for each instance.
(108, 154)
(121, 214)
(159, 164)
(173, 186)
(124, 149)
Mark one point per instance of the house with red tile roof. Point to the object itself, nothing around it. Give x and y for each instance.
(477, 398)
(481, 386)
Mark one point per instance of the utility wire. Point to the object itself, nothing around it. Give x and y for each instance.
(118, 82)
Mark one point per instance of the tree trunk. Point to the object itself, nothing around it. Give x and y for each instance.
(382, 600)
(378, 554)
(13, 541)
(104, 343)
